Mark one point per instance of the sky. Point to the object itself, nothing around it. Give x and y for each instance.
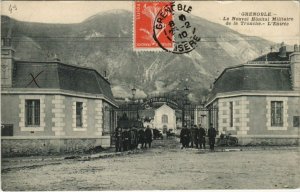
(215, 11)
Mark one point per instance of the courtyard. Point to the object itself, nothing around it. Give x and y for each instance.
(165, 166)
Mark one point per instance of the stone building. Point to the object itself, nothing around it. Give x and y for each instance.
(259, 101)
(52, 107)
(164, 118)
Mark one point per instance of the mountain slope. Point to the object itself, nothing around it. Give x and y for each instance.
(104, 42)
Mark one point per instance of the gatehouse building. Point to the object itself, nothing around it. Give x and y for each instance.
(52, 107)
(259, 101)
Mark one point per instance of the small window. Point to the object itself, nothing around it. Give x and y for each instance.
(7, 130)
(79, 114)
(296, 121)
(231, 113)
(164, 119)
(276, 113)
(32, 113)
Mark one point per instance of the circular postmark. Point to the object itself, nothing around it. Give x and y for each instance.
(172, 29)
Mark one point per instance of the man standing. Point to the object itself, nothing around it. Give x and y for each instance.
(118, 137)
(184, 137)
(194, 136)
(148, 136)
(126, 139)
(202, 134)
(212, 136)
(133, 139)
(141, 134)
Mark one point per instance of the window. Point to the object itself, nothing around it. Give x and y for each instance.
(79, 114)
(231, 113)
(32, 114)
(7, 130)
(296, 121)
(276, 113)
(164, 119)
(106, 111)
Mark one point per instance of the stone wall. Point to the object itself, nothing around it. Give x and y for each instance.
(240, 115)
(268, 141)
(260, 116)
(58, 118)
(11, 147)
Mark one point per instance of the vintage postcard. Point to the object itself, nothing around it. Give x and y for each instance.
(150, 95)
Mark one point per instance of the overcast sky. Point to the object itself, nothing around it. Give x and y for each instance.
(77, 11)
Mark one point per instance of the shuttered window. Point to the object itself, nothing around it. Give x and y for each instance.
(231, 113)
(276, 113)
(32, 112)
(296, 121)
(79, 114)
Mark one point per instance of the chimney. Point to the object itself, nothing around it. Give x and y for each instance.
(7, 61)
(295, 68)
(296, 49)
(105, 75)
(282, 50)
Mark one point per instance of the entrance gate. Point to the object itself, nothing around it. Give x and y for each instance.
(140, 114)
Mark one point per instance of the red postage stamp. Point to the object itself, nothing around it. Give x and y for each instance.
(145, 14)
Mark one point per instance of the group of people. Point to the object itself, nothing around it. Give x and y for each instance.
(196, 136)
(130, 138)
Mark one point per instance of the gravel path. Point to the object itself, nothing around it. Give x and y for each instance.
(165, 166)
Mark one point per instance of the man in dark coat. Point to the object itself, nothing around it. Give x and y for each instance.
(188, 138)
(126, 139)
(194, 136)
(133, 138)
(202, 134)
(148, 136)
(118, 137)
(212, 136)
(141, 135)
(185, 137)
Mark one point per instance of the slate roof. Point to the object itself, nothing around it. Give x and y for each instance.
(273, 56)
(56, 75)
(253, 78)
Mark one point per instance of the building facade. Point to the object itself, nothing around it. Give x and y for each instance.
(259, 101)
(52, 107)
(164, 118)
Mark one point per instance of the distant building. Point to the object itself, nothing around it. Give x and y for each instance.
(160, 116)
(164, 118)
(259, 101)
(156, 112)
(52, 107)
(201, 116)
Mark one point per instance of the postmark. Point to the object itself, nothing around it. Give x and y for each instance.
(172, 28)
(180, 30)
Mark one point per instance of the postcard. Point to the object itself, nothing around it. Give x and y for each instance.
(150, 95)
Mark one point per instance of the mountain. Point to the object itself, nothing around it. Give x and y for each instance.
(104, 42)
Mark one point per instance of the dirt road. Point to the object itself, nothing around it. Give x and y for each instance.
(165, 166)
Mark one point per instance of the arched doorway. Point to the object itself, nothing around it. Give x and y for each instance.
(165, 129)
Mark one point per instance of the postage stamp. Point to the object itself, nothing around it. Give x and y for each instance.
(164, 26)
(144, 16)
